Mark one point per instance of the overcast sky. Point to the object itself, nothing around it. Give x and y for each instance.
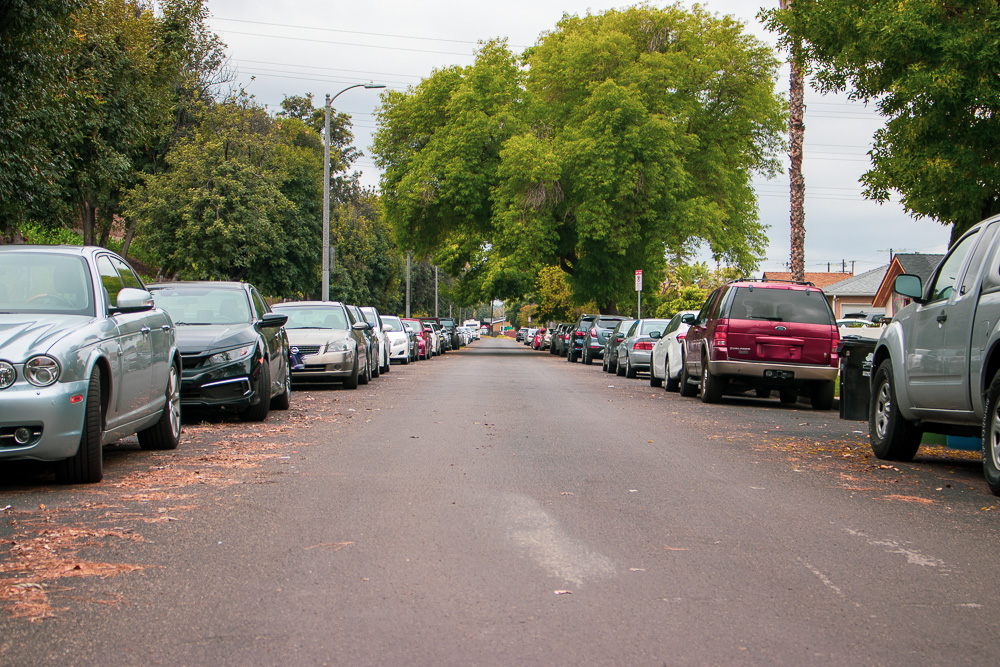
(292, 48)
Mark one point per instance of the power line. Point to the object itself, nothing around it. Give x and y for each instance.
(336, 69)
(326, 41)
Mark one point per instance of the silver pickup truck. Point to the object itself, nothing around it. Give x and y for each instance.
(937, 365)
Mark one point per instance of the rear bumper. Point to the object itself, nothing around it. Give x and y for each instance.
(760, 369)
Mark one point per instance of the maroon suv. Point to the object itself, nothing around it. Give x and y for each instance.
(762, 336)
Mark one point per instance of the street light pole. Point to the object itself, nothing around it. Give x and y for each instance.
(326, 183)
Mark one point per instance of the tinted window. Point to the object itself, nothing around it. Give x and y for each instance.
(259, 305)
(199, 305)
(607, 323)
(944, 282)
(45, 283)
(314, 317)
(128, 277)
(781, 305)
(110, 279)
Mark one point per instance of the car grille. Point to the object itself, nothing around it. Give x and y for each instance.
(193, 360)
(306, 349)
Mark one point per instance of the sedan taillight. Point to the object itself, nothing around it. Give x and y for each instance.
(643, 345)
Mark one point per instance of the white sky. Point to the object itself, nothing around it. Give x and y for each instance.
(301, 46)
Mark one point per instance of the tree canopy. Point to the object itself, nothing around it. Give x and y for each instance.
(617, 139)
(930, 69)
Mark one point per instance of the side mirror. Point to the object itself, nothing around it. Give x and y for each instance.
(361, 326)
(273, 320)
(655, 335)
(909, 286)
(131, 300)
(690, 319)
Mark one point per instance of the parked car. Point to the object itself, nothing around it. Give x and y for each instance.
(371, 348)
(439, 337)
(234, 350)
(668, 353)
(86, 359)
(424, 335)
(381, 357)
(636, 350)
(763, 336)
(936, 367)
(597, 334)
(556, 340)
(611, 343)
(574, 343)
(529, 338)
(521, 333)
(449, 326)
(330, 345)
(539, 341)
(402, 343)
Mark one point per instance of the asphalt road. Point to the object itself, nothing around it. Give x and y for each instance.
(499, 506)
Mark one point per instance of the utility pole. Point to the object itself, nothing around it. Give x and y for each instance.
(408, 256)
(436, 292)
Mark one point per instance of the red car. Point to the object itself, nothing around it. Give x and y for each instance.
(423, 337)
(542, 340)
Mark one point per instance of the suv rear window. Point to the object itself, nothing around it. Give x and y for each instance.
(781, 305)
(608, 323)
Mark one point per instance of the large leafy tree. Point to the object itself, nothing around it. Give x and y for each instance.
(930, 69)
(616, 139)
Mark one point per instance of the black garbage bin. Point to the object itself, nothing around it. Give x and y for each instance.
(855, 376)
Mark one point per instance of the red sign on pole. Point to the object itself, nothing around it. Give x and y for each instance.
(638, 280)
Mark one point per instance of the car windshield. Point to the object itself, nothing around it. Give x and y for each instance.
(781, 305)
(203, 304)
(649, 326)
(314, 317)
(391, 323)
(37, 282)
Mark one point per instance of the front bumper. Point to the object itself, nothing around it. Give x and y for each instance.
(230, 385)
(326, 365)
(55, 422)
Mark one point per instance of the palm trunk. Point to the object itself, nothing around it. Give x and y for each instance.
(797, 185)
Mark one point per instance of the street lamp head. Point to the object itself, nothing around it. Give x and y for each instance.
(372, 84)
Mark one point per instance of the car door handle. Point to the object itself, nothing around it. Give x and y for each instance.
(144, 330)
(166, 327)
(942, 318)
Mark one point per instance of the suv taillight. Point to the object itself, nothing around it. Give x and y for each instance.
(593, 332)
(719, 350)
(578, 334)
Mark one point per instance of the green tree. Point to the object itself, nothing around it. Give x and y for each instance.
(930, 69)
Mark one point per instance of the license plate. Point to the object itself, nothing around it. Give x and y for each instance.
(779, 375)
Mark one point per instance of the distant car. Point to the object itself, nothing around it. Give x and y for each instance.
(635, 351)
(234, 349)
(381, 356)
(611, 343)
(401, 345)
(86, 359)
(330, 344)
(668, 353)
(596, 335)
(763, 336)
(371, 351)
(521, 333)
(574, 342)
(425, 337)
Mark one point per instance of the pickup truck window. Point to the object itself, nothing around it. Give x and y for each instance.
(944, 282)
(972, 272)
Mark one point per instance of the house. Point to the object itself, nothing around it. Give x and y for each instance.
(856, 294)
(819, 278)
(916, 264)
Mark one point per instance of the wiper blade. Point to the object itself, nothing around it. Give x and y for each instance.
(194, 324)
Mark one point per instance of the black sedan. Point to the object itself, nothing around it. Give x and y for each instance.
(234, 350)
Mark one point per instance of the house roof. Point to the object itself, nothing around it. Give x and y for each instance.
(863, 284)
(913, 263)
(819, 278)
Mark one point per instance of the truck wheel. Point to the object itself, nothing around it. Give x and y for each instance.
(87, 465)
(991, 436)
(892, 437)
(712, 386)
(687, 387)
(822, 395)
(166, 432)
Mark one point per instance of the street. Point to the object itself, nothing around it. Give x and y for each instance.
(499, 506)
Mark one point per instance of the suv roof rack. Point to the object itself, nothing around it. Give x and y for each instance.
(806, 283)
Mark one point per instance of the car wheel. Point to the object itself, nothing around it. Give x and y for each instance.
(991, 436)
(762, 392)
(258, 412)
(284, 400)
(87, 465)
(822, 395)
(788, 395)
(630, 371)
(373, 371)
(620, 368)
(366, 376)
(166, 433)
(406, 360)
(687, 387)
(712, 386)
(388, 364)
(351, 381)
(569, 356)
(892, 437)
(653, 380)
(604, 362)
(672, 384)
(588, 356)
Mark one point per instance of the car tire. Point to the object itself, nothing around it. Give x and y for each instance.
(284, 400)
(671, 384)
(569, 357)
(388, 364)
(687, 388)
(822, 395)
(991, 436)
(712, 386)
(653, 380)
(588, 356)
(892, 437)
(620, 368)
(166, 433)
(788, 395)
(630, 371)
(373, 371)
(258, 412)
(762, 392)
(87, 465)
(366, 376)
(351, 381)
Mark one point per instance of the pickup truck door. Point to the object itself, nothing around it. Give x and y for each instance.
(937, 351)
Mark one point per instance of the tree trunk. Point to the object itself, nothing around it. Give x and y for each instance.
(87, 213)
(797, 185)
(129, 233)
(107, 220)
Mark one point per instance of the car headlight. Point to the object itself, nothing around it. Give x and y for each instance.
(229, 356)
(337, 346)
(7, 375)
(41, 371)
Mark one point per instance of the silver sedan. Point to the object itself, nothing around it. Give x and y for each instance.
(85, 359)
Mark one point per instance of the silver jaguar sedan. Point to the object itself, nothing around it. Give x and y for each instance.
(86, 359)
(329, 341)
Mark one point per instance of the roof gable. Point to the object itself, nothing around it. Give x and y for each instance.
(818, 278)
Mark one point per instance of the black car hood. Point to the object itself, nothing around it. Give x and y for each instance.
(203, 338)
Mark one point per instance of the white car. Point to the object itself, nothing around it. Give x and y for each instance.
(381, 357)
(668, 353)
(399, 339)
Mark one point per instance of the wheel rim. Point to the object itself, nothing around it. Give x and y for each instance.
(995, 436)
(883, 408)
(704, 375)
(174, 402)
